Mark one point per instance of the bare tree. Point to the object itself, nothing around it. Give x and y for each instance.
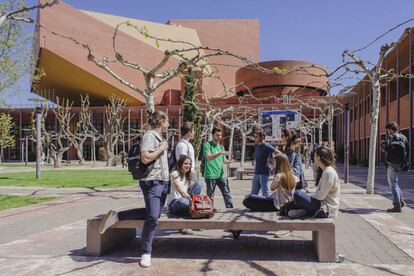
(114, 120)
(377, 75)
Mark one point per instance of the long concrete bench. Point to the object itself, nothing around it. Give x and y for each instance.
(239, 172)
(323, 230)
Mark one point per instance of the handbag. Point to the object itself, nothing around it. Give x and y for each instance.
(201, 206)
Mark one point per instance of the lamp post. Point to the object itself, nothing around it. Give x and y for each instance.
(346, 143)
(346, 132)
(38, 140)
(38, 113)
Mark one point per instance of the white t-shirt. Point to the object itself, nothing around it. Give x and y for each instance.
(175, 194)
(184, 147)
(328, 191)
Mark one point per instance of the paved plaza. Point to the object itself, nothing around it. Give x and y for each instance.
(50, 238)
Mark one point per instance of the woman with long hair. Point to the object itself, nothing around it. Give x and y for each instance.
(282, 188)
(325, 201)
(292, 150)
(178, 201)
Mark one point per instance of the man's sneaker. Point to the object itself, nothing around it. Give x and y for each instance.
(186, 232)
(297, 213)
(281, 234)
(402, 202)
(110, 219)
(145, 260)
(396, 209)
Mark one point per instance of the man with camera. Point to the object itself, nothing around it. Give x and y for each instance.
(396, 150)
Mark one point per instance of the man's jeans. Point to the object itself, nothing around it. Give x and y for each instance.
(260, 181)
(392, 176)
(155, 193)
(179, 207)
(310, 204)
(223, 185)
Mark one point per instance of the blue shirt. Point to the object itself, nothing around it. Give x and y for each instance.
(263, 152)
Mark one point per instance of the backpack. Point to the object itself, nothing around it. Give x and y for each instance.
(136, 167)
(396, 151)
(172, 159)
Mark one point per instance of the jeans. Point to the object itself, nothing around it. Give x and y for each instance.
(392, 176)
(260, 181)
(155, 193)
(310, 204)
(259, 203)
(223, 185)
(179, 207)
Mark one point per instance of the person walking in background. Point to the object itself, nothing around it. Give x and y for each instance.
(396, 149)
(214, 174)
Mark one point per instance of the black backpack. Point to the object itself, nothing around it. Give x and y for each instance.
(396, 150)
(136, 167)
(172, 159)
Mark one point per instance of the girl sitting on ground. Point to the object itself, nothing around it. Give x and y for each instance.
(325, 201)
(282, 188)
(182, 187)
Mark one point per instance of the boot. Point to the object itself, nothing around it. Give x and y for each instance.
(402, 202)
(396, 209)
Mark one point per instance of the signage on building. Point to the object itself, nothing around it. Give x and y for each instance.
(273, 121)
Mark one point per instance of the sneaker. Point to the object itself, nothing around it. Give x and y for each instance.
(402, 203)
(145, 260)
(281, 234)
(297, 213)
(110, 219)
(186, 232)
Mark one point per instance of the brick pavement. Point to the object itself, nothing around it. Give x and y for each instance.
(49, 239)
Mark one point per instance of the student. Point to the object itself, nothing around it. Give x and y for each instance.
(396, 149)
(263, 151)
(184, 146)
(154, 187)
(292, 150)
(282, 188)
(214, 175)
(325, 201)
(178, 201)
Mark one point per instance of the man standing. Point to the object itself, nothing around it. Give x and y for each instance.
(396, 149)
(184, 147)
(214, 175)
(262, 171)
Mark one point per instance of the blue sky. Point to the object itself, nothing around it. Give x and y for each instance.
(316, 31)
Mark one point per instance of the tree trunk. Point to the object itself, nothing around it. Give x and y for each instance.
(1, 153)
(109, 154)
(330, 128)
(150, 102)
(373, 135)
(320, 127)
(231, 142)
(79, 154)
(243, 149)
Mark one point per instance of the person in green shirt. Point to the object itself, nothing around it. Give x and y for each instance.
(214, 175)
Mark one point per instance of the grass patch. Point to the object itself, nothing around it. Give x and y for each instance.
(69, 179)
(10, 201)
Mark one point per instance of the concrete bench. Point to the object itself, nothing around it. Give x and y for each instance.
(323, 230)
(239, 173)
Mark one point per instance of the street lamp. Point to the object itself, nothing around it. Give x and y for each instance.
(38, 113)
(346, 131)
